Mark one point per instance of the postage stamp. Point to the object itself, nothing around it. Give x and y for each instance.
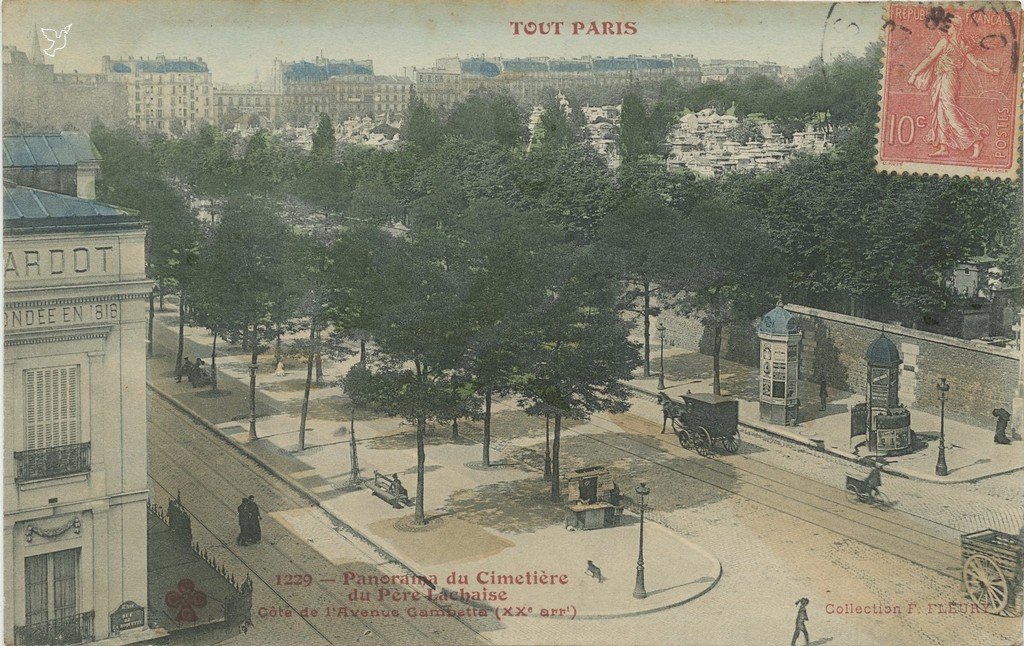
(951, 90)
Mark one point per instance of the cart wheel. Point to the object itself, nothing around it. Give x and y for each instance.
(882, 501)
(986, 584)
(732, 443)
(852, 494)
(702, 441)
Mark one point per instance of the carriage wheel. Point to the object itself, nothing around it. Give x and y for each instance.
(882, 501)
(852, 494)
(680, 431)
(702, 441)
(732, 443)
(986, 584)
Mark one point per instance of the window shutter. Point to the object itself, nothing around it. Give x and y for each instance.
(52, 407)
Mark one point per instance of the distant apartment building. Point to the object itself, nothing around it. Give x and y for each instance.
(36, 99)
(339, 89)
(232, 103)
(717, 69)
(168, 95)
(75, 483)
(452, 79)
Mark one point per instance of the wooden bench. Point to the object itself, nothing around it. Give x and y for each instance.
(387, 489)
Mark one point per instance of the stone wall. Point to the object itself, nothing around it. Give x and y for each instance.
(981, 376)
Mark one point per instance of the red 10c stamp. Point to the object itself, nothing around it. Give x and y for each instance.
(951, 90)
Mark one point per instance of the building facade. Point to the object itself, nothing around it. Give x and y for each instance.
(339, 89)
(234, 103)
(451, 80)
(75, 463)
(37, 99)
(169, 95)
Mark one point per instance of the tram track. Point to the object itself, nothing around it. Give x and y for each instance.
(925, 543)
(217, 485)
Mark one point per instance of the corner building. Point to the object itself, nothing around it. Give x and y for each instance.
(75, 483)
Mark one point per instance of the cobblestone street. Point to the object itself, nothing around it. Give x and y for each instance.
(774, 515)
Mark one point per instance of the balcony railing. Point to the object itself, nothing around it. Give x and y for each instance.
(52, 462)
(67, 630)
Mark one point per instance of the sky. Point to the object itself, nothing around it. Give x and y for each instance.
(237, 37)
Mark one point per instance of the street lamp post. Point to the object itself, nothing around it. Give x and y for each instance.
(940, 466)
(661, 373)
(639, 592)
(252, 401)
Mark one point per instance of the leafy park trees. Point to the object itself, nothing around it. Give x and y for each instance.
(724, 270)
(250, 273)
(418, 337)
(323, 139)
(579, 354)
(130, 177)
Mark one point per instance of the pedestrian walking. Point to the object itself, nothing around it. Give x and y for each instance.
(255, 531)
(185, 369)
(801, 622)
(1002, 421)
(243, 522)
(823, 394)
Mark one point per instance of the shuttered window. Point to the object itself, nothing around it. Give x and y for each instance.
(52, 407)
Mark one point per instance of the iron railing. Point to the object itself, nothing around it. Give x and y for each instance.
(66, 630)
(52, 462)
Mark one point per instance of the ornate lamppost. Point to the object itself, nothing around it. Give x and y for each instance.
(940, 466)
(639, 592)
(661, 373)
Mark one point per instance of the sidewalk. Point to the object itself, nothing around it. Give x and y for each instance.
(971, 455)
(484, 523)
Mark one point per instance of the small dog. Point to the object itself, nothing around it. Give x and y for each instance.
(594, 571)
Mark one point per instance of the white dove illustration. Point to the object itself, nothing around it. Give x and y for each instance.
(58, 40)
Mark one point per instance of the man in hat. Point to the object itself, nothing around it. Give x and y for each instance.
(801, 622)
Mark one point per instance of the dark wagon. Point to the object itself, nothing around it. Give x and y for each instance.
(702, 420)
(992, 574)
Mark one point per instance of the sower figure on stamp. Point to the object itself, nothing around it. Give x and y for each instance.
(950, 126)
(801, 622)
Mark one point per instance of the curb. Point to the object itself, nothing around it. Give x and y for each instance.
(693, 546)
(820, 446)
(388, 556)
(298, 488)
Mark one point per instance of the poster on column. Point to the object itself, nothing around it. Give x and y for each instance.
(432, 321)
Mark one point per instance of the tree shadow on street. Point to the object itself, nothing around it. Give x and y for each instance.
(516, 507)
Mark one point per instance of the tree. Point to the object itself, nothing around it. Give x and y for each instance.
(421, 129)
(488, 118)
(639, 234)
(315, 278)
(130, 177)
(252, 265)
(580, 350)
(513, 257)
(323, 139)
(419, 339)
(726, 272)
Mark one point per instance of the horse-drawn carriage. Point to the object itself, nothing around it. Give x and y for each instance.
(992, 574)
(700, 421)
